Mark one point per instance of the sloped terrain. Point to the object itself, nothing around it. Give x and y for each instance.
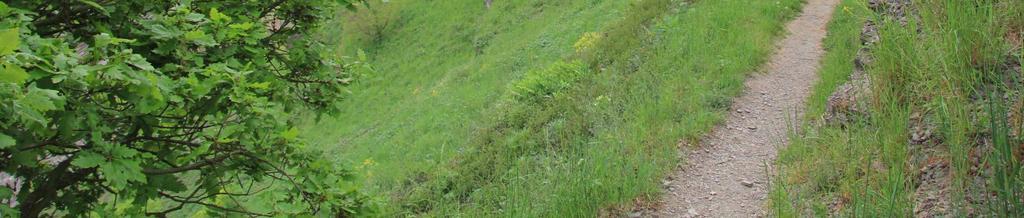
(539, 108)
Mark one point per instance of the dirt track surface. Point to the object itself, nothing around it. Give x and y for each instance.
(727, 174)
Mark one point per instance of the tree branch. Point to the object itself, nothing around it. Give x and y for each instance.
(193, 166)
(180, 200)
(46, 190)
(270, 9)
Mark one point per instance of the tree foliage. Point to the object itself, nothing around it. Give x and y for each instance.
(117, 108)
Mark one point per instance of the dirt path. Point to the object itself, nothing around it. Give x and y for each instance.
(727, 176)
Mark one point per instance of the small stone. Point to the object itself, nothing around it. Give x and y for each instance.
(692, 213)
(635, 215)
(714, 193)
(747, 183)
(752, 128)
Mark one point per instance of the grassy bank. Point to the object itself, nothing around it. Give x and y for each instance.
(539, 108)
(939, 137)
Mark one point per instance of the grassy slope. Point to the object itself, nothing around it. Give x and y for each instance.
(869, 168)
(434, 88)
(437, 133)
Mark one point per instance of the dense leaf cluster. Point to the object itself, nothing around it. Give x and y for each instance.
(115, 108)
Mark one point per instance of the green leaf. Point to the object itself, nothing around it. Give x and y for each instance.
(123, 152)
(202, 150)
(42, 100)
(216, 16)
(6, 141)
(241, 26)
(121, 171)
(291, 207)
(28, 158)
(9, 41)
(194, 17)
(5, 193)
(4, 10)
(140, 62)
(13, 74)
(162, 32)
(9, 211)
(88, 159)
(104, 39)
(96, 6)
(31, 116)
(200, 38)
(260, 86)
(291, 134)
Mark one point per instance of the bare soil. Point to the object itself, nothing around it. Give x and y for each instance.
(727, 174)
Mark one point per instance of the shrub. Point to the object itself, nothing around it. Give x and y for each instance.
(155, 106)
(587, 41)
(539, 84)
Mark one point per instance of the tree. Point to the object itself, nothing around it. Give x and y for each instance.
(154, 106)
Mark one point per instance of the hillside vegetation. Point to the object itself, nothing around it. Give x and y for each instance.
(538, 108)
(511, 108)
(934, 126)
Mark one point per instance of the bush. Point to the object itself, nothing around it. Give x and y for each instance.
(155, 106)
(539, 84)
(587, 42)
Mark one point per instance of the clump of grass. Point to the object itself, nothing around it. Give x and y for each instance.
(365, 27)
(622, 38)
(1007, 176)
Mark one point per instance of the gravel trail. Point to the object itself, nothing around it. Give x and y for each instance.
(727, 175)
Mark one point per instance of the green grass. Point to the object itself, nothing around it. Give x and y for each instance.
(438, 131)
(842, 43)
(945, 75)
